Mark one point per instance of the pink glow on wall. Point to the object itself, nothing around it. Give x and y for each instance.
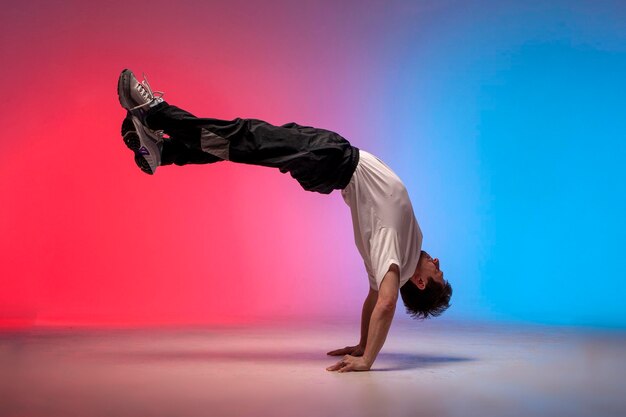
(88, 239)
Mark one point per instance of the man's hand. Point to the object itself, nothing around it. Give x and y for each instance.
(379, 323)
(350, 363)
(348, 350)
(378, 310)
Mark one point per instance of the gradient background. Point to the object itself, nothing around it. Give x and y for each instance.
(506, 120)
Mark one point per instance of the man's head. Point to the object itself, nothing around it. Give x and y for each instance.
(426, 294)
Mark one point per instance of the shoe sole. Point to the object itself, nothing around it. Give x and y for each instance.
(123, 87)
(133, 142)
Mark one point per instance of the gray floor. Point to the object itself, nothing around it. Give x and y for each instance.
(431, 369)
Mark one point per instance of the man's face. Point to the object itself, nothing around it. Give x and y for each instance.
(427, 269)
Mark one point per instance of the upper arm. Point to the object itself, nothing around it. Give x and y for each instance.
(390, 286)
(385, 254)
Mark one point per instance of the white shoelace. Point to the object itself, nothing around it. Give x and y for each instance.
(146, 91)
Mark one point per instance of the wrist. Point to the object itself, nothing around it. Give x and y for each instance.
(368, 361)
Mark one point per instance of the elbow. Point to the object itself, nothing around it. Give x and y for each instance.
(387, 305)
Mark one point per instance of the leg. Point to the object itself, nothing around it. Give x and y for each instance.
(320, 160)
(210, 136)
(249, 141)
(157, 150)
(176, 152)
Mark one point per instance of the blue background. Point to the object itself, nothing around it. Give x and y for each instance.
(517, 112)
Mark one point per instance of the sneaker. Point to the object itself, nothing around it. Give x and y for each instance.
(147, 144)
(136, 97)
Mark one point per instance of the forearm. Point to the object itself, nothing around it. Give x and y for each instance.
(379, 325)
(366, 314)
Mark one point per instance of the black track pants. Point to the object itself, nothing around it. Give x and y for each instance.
(321, 160)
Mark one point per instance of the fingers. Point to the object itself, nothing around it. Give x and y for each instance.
(339, 352)
(346, 368)
(335, 367)
(347, 364)
(344, 365)
(338, 365)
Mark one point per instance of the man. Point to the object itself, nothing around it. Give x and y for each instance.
(386, 232)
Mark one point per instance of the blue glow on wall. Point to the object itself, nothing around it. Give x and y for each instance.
(507, 121)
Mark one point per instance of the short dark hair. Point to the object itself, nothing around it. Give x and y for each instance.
(433, 300)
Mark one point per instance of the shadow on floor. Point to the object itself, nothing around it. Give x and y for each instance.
(403, 361)
(387, 361)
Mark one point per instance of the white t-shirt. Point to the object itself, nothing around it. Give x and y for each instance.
(385, 229)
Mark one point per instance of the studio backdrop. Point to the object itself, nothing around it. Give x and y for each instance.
(505, 119)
